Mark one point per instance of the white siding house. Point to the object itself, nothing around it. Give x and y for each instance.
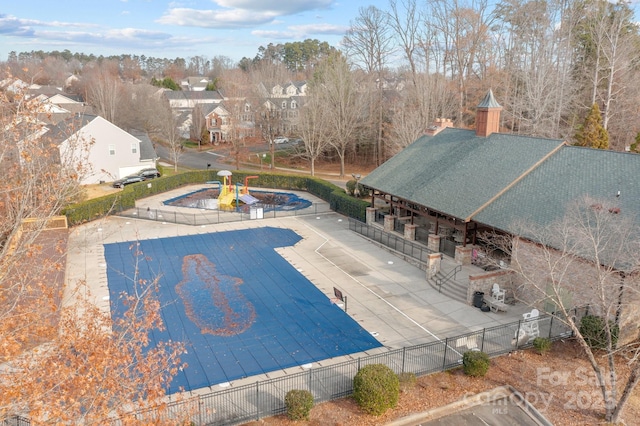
(106, 151)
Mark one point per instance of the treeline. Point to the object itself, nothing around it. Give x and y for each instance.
(548, 64)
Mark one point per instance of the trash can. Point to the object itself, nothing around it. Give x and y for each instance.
(478, 299)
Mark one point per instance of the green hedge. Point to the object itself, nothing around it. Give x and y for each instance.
(125, 199)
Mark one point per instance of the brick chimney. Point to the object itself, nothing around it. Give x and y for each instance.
(439, 124)
(488, 116)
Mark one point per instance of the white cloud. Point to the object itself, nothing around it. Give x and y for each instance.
(239, 13)
(285, 35)
(301, 31)
(283, 7)
(319, 29)
(215, 18)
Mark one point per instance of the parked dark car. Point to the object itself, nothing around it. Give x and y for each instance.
(150, 173)
(120, 183)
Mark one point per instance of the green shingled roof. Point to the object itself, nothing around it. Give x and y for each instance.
(457, 172)
(541, 198)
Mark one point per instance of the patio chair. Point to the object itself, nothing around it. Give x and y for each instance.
(530, 323)
(497, 294)
(496, 301)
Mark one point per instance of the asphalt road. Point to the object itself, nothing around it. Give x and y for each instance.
(198, 160)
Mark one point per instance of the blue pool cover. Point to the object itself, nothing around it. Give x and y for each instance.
(240, 308)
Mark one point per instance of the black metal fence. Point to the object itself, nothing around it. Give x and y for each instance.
(408, 248)
(15, 421)
(238, 405)
(198, 217)
(242, 404)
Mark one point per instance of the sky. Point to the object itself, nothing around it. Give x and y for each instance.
(171, 29)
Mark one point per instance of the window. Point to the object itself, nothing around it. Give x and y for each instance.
(247, 108)
(134, 148)
(112, 150)
(294, 104)
(284, 104)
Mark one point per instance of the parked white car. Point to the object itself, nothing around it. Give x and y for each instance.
(280, 139)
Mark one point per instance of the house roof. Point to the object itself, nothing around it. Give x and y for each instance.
(489, 101)
(458, 173)
(186, 94)
(65, 128)
(147, 152)
(571, 173)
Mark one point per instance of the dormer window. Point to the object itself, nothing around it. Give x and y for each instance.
(247, 108)
(284, 104)
(294, 104)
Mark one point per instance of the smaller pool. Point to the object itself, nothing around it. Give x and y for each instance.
(206, 199)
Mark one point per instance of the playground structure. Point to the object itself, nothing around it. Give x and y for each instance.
(231, 195)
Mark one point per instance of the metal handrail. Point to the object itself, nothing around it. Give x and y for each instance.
(451, 275)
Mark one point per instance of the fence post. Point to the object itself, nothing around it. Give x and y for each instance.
(551, 326)
(257, 401)
(518, 334)
(482, 344)
(444, 357)
(404, 350)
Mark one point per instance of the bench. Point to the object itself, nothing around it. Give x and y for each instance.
(495, 305)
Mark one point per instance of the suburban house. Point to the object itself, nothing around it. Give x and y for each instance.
(58, 107)
(186, 100)
(195, 83)
(103, 150)
(287, 113)
(232, 118)
(451, 185)
(292, 88)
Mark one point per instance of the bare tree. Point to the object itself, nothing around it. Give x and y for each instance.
(143, 108)
(588, 256)
(462, 30)
(406, 126)
(171, 135)
(103, 89)
(313, 125)
(336, 91)
(613, 33)
(269, 121)
(537, 83)
(369, 42)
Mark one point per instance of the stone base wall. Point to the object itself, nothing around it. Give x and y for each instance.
(410, 232)
(484, 283)
(389, 223)
(433, 242)
(434, 264)
(371, 215)
(463, 255)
